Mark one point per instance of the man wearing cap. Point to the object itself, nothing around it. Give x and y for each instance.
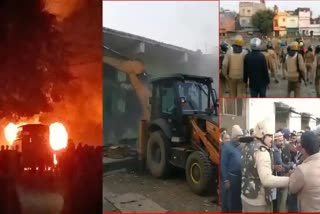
(232, 67)
(231, 170)
(305, 179)
(295, 69)
(257, 165)
(280, 168)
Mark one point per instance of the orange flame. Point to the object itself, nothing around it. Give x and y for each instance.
(58, 136)
(10, 132)
(55, 161)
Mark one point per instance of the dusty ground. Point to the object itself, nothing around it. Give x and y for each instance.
(280, 89)
(123, 192)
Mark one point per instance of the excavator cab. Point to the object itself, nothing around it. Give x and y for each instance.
(178, 96)
(183, 129)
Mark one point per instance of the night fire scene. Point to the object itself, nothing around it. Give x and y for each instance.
(50, 107)
(161, 151)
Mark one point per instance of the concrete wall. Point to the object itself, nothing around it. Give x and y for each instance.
(294, 122)
(292, 21)
(246, 10)
(227, 21)
(245, 22)
(304, 19)
(260, 109)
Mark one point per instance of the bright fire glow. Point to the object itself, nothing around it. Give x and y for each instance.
(58, 136)
(55, 161)
(10, 132)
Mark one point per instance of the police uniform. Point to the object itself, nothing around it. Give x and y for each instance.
(257, 178)
(309, 59)
(232, 68)
(292, 66)
(272, 58)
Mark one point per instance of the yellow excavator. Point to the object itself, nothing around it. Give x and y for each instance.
(179, 124)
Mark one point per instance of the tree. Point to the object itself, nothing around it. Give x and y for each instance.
(33, 64)
(263, 21)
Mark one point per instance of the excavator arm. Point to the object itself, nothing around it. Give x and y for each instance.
(205, 138)
(133, 68)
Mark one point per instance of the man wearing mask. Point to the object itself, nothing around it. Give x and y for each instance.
(257, 164)
(232, 67)
(256, 70)
(295, 70)
(231, 170)
(305, 179)
(317, 73)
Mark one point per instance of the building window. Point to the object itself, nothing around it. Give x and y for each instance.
(249, 11)
(283, 19)
(232, 107)
(276, 23)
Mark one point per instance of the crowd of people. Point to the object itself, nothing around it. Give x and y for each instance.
(250, 68)
(263, 171)
(79, 175)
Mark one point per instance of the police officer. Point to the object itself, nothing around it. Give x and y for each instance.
(272, 58)
(223, 81)
(317, 70)
(295, 69)
(309, 59)
(232, 67)
(256, 70)
(257, 165)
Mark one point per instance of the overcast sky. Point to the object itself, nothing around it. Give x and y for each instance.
(283, 5)
(192, 25)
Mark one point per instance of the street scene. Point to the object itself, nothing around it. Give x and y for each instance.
(160, 82)
(269, 153)
(287, 35)
(51, 107)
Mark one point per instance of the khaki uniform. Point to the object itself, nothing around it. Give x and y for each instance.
(292, 73)
(309, 59)
(272, 58)
(257, 178)
(317, 75)
(232, 69)
(305, 182)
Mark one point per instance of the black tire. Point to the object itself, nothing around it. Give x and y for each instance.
(200, 173)
(158, 148)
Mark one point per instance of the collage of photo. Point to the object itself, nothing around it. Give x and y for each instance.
(159, 106)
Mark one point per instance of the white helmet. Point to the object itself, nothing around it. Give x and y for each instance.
(263, 128)
(255, 43)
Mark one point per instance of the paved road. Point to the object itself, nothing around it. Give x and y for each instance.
(125, 192)
(40, 196)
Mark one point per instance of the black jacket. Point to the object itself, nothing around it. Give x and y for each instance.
(256, 70)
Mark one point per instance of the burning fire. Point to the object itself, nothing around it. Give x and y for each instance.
(10, 132)
(58, 136)
(55, 161)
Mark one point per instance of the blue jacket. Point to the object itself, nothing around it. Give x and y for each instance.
(230, 160)
(277, 158)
